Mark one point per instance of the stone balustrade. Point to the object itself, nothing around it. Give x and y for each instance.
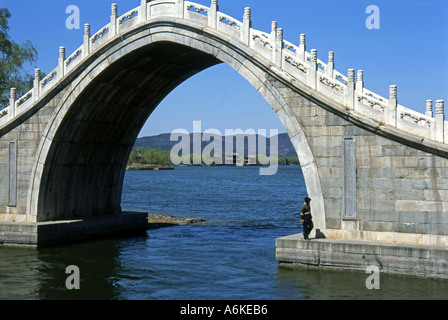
(293, 60)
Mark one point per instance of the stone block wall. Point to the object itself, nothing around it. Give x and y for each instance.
(361, 179)
(397, 188)
(17, 158)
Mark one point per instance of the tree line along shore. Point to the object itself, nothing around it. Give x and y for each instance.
(147, 158)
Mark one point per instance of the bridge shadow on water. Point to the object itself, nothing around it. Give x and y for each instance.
(41, 274)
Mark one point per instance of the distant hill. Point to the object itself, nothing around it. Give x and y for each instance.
(162, 141)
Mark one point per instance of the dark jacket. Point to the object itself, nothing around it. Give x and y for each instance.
(305, 212)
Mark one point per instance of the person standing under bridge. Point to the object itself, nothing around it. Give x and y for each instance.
(306, 218)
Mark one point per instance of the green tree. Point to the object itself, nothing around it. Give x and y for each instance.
(149, 156)
(13, 59)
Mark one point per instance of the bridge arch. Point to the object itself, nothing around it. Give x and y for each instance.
(100, 112)
(374, 168)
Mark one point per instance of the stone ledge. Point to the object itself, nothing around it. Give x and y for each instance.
(356, 255)
(57, 232)
(390, 237)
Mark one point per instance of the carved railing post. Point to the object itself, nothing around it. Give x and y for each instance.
(429, 112)
(360, 81)
(312, 74)
(330, 67)
(180, 5)
(113, 20)
(302, 48)
(350, 92)
(439, 130)
(273, 33)
(247, 24)
(86, 44)
(213, 14)
(279, 47)
(12, 104)
(61, 64)
(277, 40)
(143, 13)
(36, 84)
(391, 112)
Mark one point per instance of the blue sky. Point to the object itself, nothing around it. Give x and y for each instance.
(409, 50)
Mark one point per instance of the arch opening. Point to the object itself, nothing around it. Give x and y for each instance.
(103, 123)
(86, 160)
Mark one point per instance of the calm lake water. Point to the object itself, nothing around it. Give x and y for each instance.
(229, 257)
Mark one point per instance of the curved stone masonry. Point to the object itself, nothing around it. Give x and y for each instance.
(372, 167)
(293, 62)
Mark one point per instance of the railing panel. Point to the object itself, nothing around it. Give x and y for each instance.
(370, 109)
(415, 122)
(229, 25)
(128, 20)
(99, 38)
(72, 61)
(196, 12)
(330, 88)
(48, 82)
(163, 8)
(293, 66)
(25, 102)
(4, 115)
(261, 43)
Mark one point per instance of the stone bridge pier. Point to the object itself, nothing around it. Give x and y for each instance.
(377, 171)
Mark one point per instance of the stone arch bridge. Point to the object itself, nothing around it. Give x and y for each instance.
(374, 168)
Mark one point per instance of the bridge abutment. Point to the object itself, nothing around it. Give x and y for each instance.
(396, 258)
(42, 234)
(385, 201)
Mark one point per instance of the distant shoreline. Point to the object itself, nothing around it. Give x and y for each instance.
(138, 166)
(144, 167)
